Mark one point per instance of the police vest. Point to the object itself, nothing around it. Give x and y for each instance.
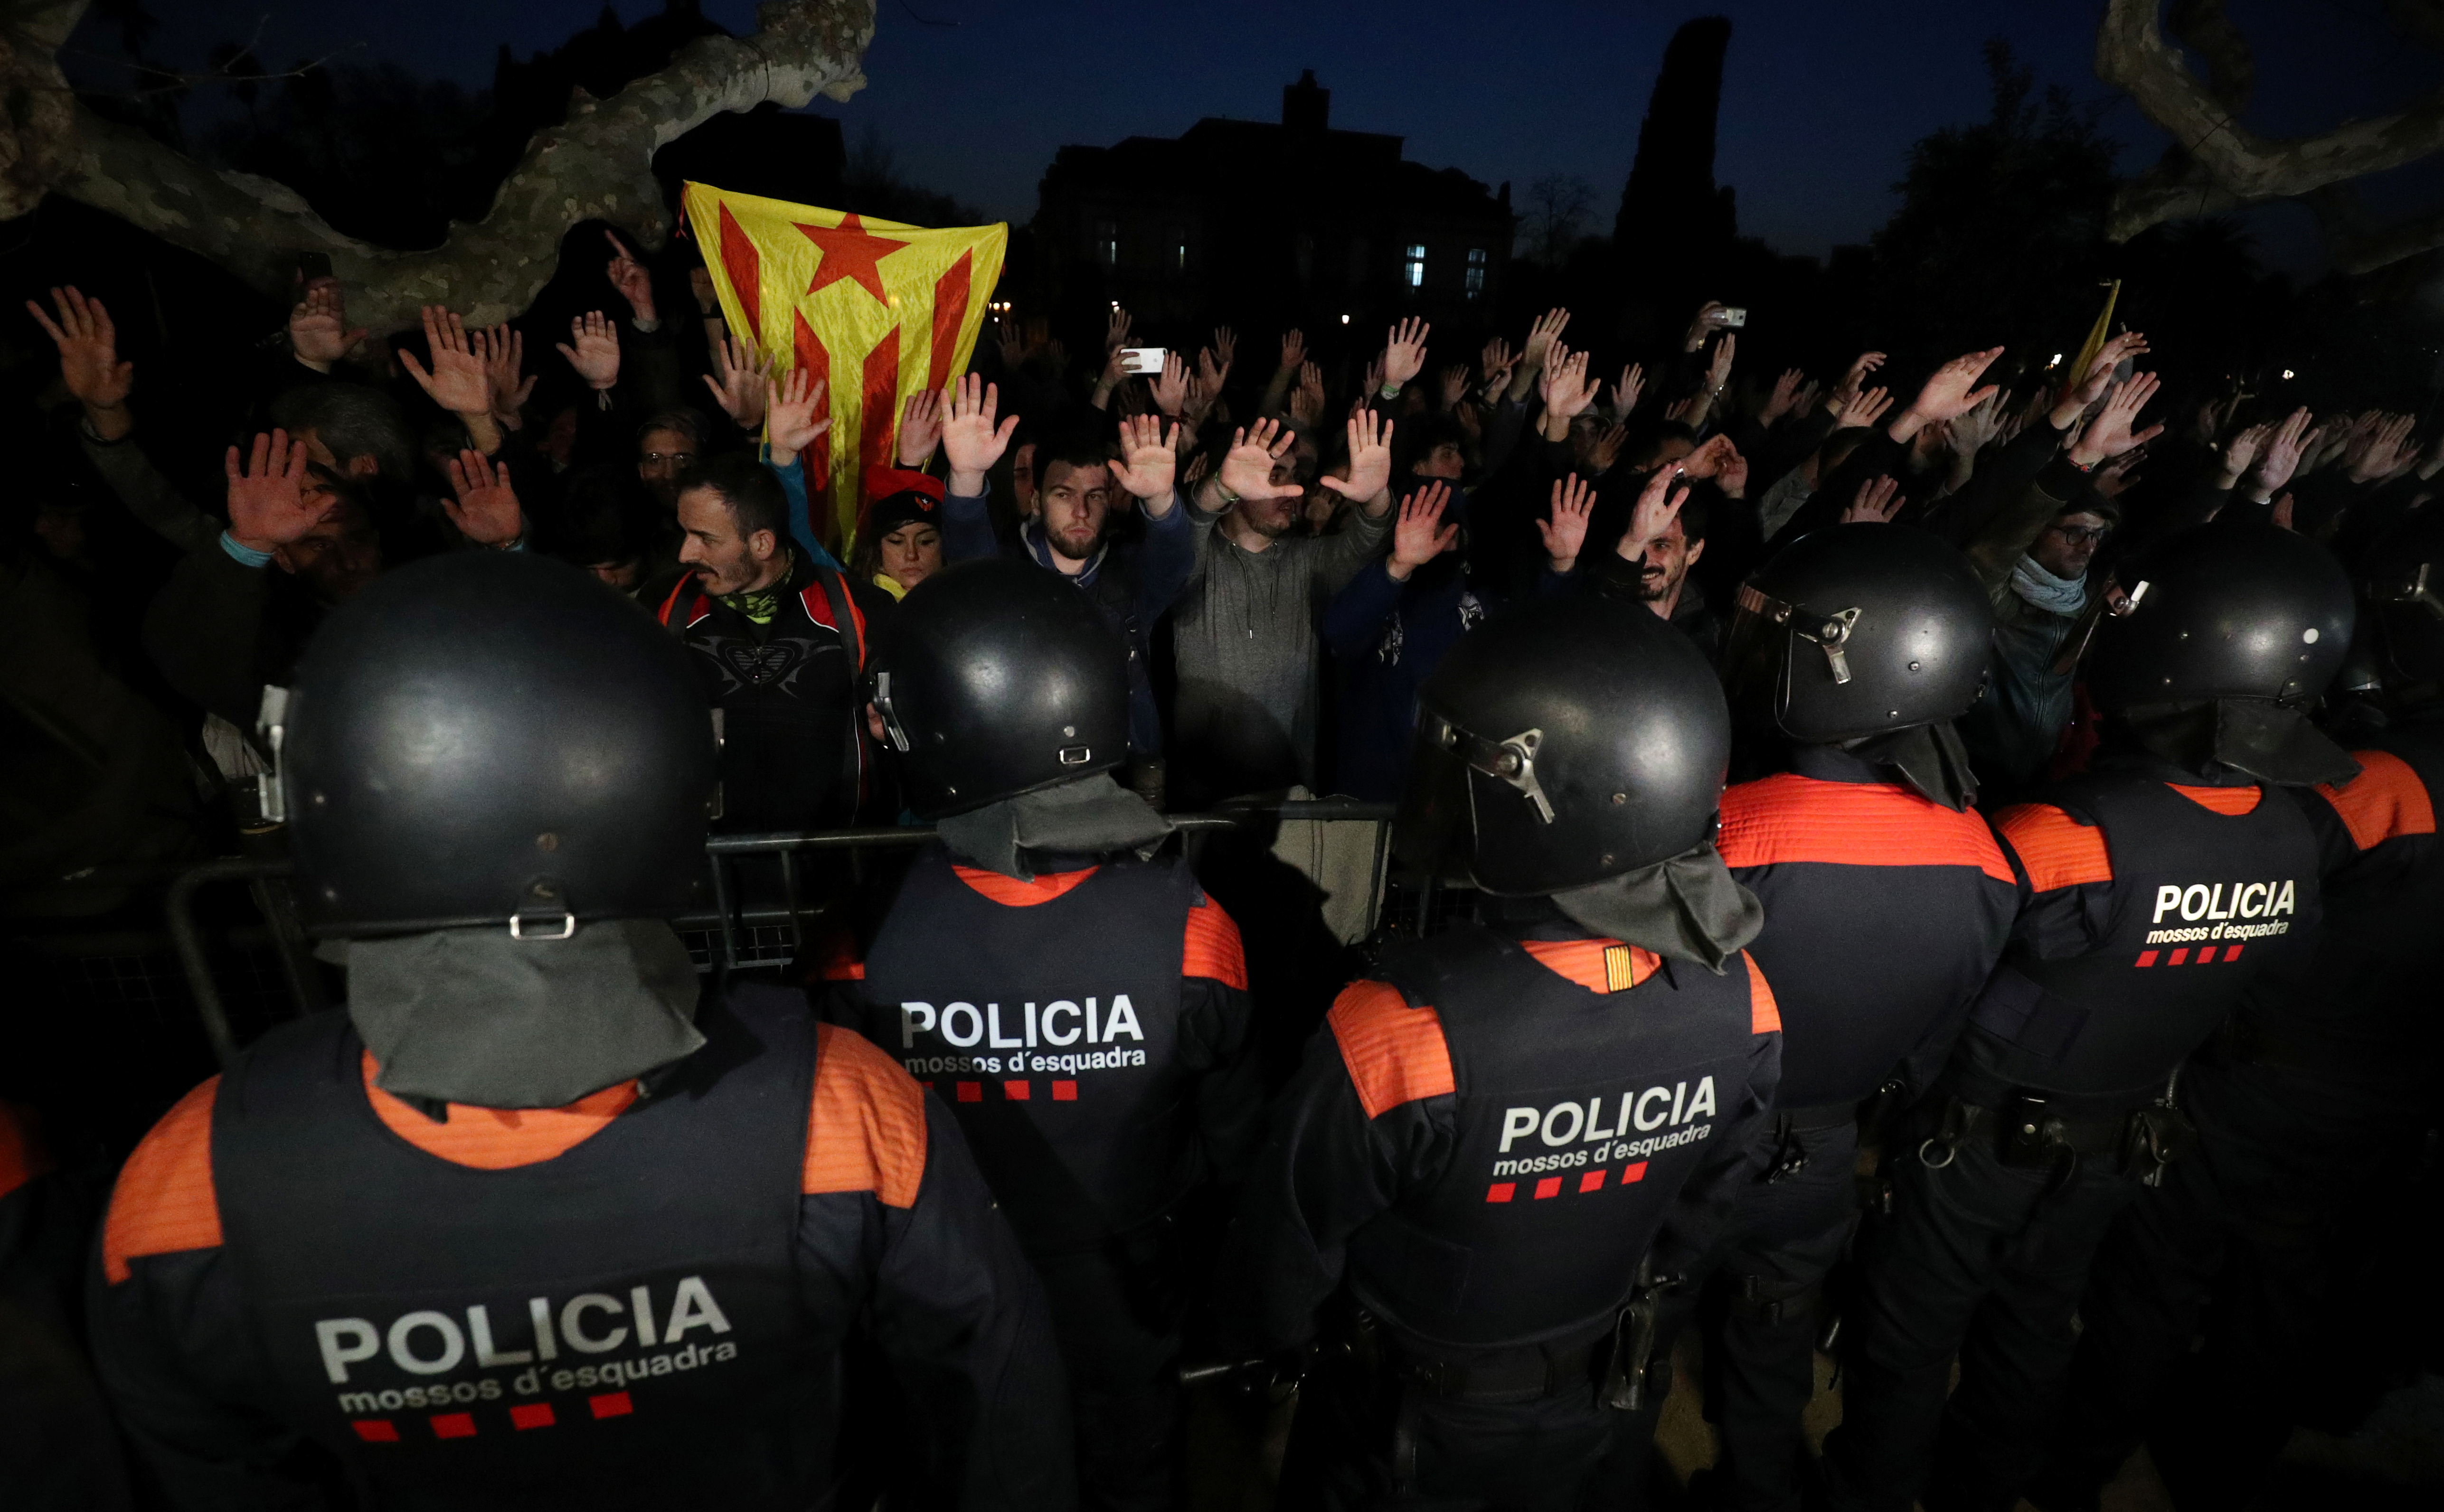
(2363, 1003)
(1884, 913)
(2204, 894)
(1051, 1023)
(1589, 1078)
(793, 752)
(617, 1326)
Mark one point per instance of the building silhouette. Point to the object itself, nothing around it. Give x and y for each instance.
(1295, 222)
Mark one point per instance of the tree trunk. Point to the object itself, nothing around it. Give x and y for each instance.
(598, 162)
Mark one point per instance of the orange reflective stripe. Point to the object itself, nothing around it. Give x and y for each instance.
(1009, 890)
(1213, 948)
(1765, 1015)
(1395, 1054)
(673, 601)
(2232, 801)
(498, 1138)
(865, 1130)
(164, 1203)
(22, 1155)
(2384, 802)
(2058, 850)
(1597, 964)
(1790, 818)
(855, 623)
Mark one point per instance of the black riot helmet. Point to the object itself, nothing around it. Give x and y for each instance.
(1856, 629)
(2234, 611)
(995, 678)
(2401, 582)
(1567, 742)
(494, 737)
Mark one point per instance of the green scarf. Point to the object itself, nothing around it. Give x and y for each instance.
(759, 606)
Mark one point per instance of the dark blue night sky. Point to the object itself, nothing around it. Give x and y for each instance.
(1820, 104)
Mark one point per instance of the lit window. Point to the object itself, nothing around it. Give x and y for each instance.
(1414, 265)
(1475, 271)
(1107, 243)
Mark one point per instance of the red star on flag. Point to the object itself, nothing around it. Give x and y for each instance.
(850, 253)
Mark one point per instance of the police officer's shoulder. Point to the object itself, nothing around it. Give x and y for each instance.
(2386, 801)
(1394, 1050)
(2056, 846)
(1210, 946)
(164, 1203)
(1765, 1015)
(865, 1132)
(1788, 818)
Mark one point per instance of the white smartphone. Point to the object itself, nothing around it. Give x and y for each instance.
(1142, 358)
(1735, 315)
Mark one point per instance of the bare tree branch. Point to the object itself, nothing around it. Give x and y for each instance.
(2220, 164)
(2232, 69)
(38, 110)
(598, 162)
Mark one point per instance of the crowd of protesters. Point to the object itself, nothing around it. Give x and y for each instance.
(1286, 559)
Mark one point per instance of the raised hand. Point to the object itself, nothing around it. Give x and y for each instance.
(1147, 460)
(1565, 531)
(1852, 377)
(1247, 466)
(1306, 400)
(2281, 458)
(596, 352)
(486, 509)
(920, 427)
(1171, 389)
(1014, 345)
(1497, 361)
(1404, 352)
(1538, 346)
(1420, 535)
(2119, 473)
(1658, 505)
(2388, 447)
(795, 415)
(1710, 458)
(1718, 371)
(971, 443)
(1606, 448)
(1626, 391)
(737, 381)
(319, 332)
(504, 351)
(1293, 349)
(1370, 464)
(1226, 346)
(1877, 500)
(2086, 388)
(1864, 407)
(1951, 391)
(1212, 371)
(268, 504)
(1202, 391)
(708, 299)
(1565, 390)
(631, 279)
(1116, 329)
(458, 382)
(2109, 433)
(2241, 451)
(1977, 425)
(1784, 397)
(89, 363)
(1709, 319)
(1454, 385)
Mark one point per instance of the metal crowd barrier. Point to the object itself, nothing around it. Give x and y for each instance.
(736, 936)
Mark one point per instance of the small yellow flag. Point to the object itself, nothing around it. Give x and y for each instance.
(2097, 336)
(876, 309)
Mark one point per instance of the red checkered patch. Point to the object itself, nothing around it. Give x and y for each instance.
(454, 1426)
(611, 1404)
(532, 1414)
(1500, 1191)
(1064, 1092)
(376, 1429)
(1014, 1091)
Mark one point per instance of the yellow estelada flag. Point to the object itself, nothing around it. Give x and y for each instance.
(2097, 336)
(876, 309)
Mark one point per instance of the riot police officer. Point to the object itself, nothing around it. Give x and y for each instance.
(534, 1221)
(2312, 1111)
(1886, 903)
(1504, 1142)
(1081, 1002)
(2153, 890)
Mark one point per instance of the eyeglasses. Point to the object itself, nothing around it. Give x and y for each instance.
(657, 459)
(2081, 534)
